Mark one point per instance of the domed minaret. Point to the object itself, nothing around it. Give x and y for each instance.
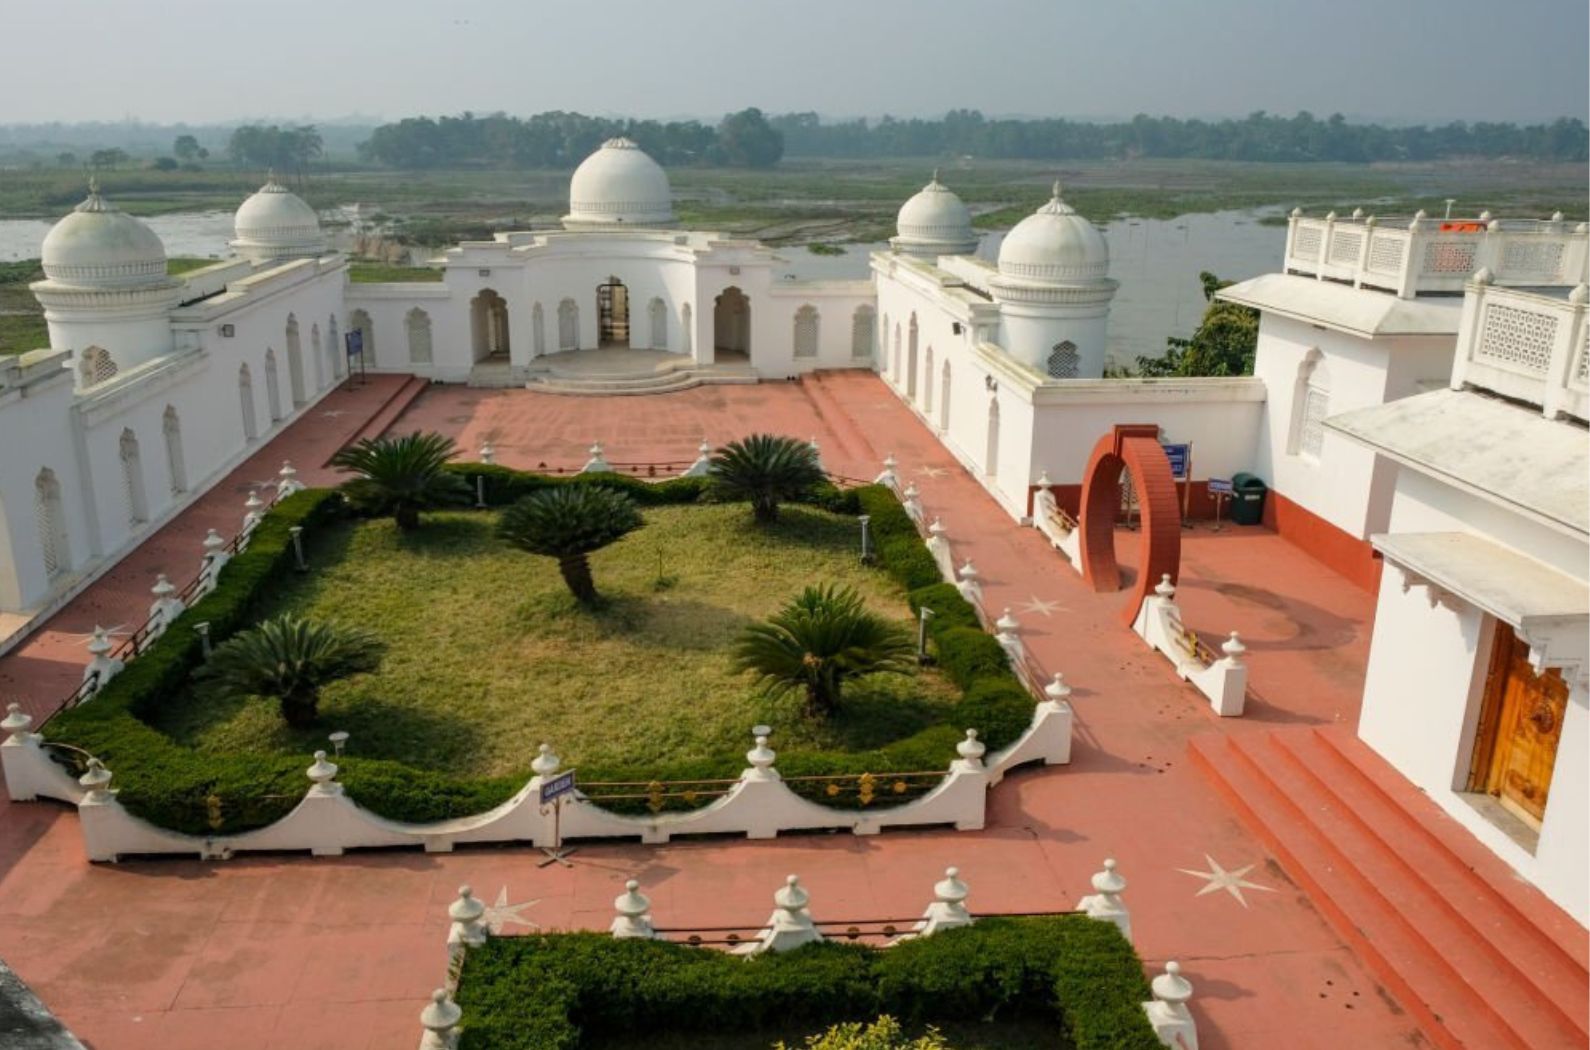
(934, 222)
(275, 224)
(619, 185)
(1054, 292)
(106, 288)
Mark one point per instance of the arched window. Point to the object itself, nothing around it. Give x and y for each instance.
(54, 546)
(245, 394)
(991, 455)
(176, 465)
(806, 331)
(132, 480)
(944, 399)
(687, 330)
(910, 357)
(1063, 361)
(320, 358)
(538, 330)
(295, 363)
(360, 322)
(96, 366)
(927, 382)
(418, 324)
(273, 386)
(862, 325)
(1311, 402)
(568, 325)
(334, 348)
(658, 313)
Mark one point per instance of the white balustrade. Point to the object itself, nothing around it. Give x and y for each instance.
(597, 464)
(1104, 903)
(1168, 1012)
(1222, 679)
(1529, 346)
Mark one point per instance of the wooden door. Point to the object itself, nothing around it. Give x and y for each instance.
(1520, 726)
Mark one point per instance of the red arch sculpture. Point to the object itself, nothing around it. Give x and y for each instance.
(1159, 545)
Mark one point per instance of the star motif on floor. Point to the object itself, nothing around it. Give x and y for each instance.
(333, 413)
(932, 472)
(1038, 605)
(1218, 878)
(500, 913)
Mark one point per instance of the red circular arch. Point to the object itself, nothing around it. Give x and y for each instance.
(1159, 544)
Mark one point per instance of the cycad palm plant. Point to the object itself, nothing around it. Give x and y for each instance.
(401, 476)
(766, 469)
(569, 522)
(824, 637)
(289, 659)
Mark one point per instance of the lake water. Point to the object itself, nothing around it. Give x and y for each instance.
(1157, 262)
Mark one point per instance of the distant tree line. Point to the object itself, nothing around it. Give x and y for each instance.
(1260, 136)
(288, 150)
(561, 140)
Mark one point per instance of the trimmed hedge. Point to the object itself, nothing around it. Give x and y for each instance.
(566, 991)
(202, 793)
(504, 485)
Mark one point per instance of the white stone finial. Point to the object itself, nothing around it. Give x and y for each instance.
(1043, 480)
(1057, 690)
(440, 1018)
(1295, 213)
(950, 889)
(889, 462)
(1171, 986)
(948, 910)
(546, 761)
(1233, 648)
(466, 912)
(1056, 192)
(704, 449)
(97, 780)
(214, 544)
(1164, 588)
(634, 914)
(163, 587)
(1330, 216)
(100, 644)
(935, 178)
(1580, 294)
(16, 722)
(323, 773)
(791, 897)
(761, 758)
(488, 452)
(971, 750)
(1168, 1013)
(967, 572)
(1007, 622)
(1104, 903)
(936, 529)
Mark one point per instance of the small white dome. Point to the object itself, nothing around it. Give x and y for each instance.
(99, 246)
(1055, 244)
(619, 184)
(275, 223)
(935, 222)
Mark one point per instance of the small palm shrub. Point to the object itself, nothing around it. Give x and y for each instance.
(767, 470)
(569, 523)
(822, 638)
(883, 1034)
(401, 476)
(288, 659)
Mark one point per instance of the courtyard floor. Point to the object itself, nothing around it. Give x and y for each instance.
(340, 953)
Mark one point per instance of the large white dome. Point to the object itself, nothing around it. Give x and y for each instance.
(275, 223)
(1055, 244)
(934, 222)
(619, 185)
(99, 246)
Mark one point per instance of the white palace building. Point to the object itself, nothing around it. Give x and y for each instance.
(1418, 410)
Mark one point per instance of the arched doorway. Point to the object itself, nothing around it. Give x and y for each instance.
(991, 449)
(612, 314)
(245, 393)
(273, 386)
(659, 324)
(731, 322)
(910, 373)
(418, 324)
(54, 545)
(568, 325)
(944, 399)
(488, 325)
(1135, 447)
(295, 363)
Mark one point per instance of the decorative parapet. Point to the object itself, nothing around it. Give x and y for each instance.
(1421, 255)
(1223, 677)
(1527, 346)
(1059, 527)
(1168, 1012)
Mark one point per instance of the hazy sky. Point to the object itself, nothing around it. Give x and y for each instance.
(220, 60)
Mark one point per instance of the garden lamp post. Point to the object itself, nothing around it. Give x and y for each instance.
(339, 740)
(203, 630)
(297, 533)
(923, 616)
(866, 539)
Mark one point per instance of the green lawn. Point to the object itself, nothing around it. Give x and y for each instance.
(489, 656)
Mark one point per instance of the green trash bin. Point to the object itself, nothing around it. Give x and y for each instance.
(1247, 499)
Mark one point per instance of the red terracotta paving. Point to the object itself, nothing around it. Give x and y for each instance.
(341, 952)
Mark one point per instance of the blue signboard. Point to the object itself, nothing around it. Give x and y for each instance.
(562, 784)
(1220, 486)
(1177, 454)
(355, 342)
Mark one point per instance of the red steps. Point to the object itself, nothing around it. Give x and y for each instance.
(394, 406)
(1479, 958)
